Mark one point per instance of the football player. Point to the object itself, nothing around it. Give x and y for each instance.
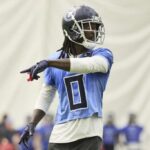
(132, 133)
(78, 72)
(110, 133)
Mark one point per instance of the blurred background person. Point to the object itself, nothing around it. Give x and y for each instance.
(132, 133)
(37, 141)
(15, 140)
(110, 133)
(6, 145)
(6, 127)
(6, 133)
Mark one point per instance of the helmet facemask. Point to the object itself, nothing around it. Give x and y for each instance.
(82, 28)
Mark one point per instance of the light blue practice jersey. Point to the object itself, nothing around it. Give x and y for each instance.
(80, 95)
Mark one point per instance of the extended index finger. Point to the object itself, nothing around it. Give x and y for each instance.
(25, 71)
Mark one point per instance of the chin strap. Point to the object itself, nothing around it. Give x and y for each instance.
(89, 45)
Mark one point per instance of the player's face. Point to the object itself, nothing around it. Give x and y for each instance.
(89, 31)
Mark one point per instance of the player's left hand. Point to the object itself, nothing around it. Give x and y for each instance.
(27, 133)
(34, 70)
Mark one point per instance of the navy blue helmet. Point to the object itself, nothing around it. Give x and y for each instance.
(73, 25)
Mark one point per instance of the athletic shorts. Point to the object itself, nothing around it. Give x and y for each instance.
(92, 143)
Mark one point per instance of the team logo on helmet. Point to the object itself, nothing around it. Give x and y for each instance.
(70, 14)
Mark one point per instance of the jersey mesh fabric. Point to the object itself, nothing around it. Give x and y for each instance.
(75, 100)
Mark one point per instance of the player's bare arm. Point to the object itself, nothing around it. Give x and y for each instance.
(29, 130)
(63, 64)
(78, 65)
